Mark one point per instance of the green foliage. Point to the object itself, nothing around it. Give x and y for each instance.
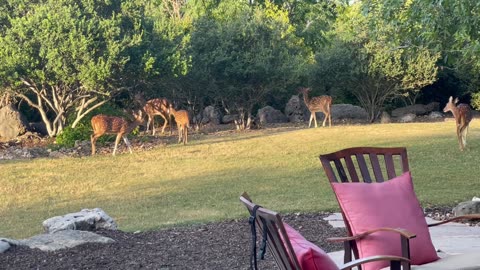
(69, 135)
(476, 101)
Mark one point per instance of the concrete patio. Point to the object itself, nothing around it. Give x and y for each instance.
(451, 238)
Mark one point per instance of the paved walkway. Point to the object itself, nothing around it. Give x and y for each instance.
(451, 238)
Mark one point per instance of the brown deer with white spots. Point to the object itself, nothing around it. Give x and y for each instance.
(153, 107)
(317, 104)
(104, 124)
(463, 116)
(183, 123)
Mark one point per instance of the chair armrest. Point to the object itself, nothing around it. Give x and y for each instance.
(475, 216)
(402, 232)
(395, 262)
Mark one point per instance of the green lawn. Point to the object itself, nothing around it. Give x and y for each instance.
(201, 182)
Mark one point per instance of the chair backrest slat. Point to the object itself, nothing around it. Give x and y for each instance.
(362, 164)
(390, 165)
(376, 167)
(341, 171)
(351, 169)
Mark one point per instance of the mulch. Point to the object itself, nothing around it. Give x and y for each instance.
(223, 245)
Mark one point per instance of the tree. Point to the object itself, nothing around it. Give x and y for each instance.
(245, 53)
(71, 56)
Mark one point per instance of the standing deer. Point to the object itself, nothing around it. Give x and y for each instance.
(463, 116)
(152, 107)
(317, 104)
(104, 124)
(183, 123)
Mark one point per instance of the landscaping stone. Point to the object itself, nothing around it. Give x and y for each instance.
(85, 220)
(268, 114)
(407, 118)
(63, 239)
(12, 122)
(417, 109)
(296, 111)
(346, 111)
(4, 246)
(466, 208)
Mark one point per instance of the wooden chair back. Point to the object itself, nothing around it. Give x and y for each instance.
(278, 242)
(365, 164)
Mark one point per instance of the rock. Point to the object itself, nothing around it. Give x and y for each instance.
(268, 114)
(407, 118)
(38, 127)
(63, 239)
(211, 115)
(85, 220)
(12, 122)
(346, 111)
(296, 111)
(466, 208)
(417, 109)
(385, 118)
(4, 246)
(229, 118)
(435, 115)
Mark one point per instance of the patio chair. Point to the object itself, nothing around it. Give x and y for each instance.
(369, 167)
(290, 250)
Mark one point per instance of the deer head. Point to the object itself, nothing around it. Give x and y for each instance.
(451, 105)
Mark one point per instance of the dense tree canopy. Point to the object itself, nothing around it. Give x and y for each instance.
(68, 57)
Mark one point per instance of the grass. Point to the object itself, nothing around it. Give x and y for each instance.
(201, 182)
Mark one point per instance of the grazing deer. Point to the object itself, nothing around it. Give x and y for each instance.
(317, 104)
(183, 123)
(463, 116)
(104, 124)
(152, 107)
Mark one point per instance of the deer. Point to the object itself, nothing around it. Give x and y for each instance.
(463, 116)
(183, 123)
(317, 104)
(104, 124)
(152, 107)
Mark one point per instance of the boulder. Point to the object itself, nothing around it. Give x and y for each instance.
(466, 208)
(229, 118)
(4, 246)
(296, 111)
(85, 220)
(407, 118)
(268, 115)
(211, 115)
(61, 240)
(417, 109)
(12, 122)
(345, 111)
(435, 115)
(38, 127)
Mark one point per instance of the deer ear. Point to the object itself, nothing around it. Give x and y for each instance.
(450, 99)
(456, 100)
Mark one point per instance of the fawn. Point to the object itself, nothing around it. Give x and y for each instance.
(463, 116)
(104, 124)
(317, 104)
(183, 123)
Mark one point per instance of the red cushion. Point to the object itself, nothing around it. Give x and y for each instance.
(389, 204)
(309, 255)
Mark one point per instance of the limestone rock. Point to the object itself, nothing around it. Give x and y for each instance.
(296, 111)
(229, 118)
(407, 118)
(211, 115)
(63, 239)
(268, 115)
(435, 115)
(345, 111)
(85, 220)
(385, 118)
(12, 122)
(466, 208)
(4, 246)
(417, 109)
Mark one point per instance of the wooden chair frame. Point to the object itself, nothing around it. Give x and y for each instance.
(281, 248)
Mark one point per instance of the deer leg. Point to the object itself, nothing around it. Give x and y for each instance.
(311, 117)
(127, 142)
(325, 115)
(93, 140)
(185, 138)
(179, 133)
(153, 125)
(315, 119)
(164, 123)
(148, 124)
(329, 118)
(459, 137)
(117, 140)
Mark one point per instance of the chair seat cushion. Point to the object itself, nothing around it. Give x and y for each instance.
(393, 204)
(310, 256)
(467, 261)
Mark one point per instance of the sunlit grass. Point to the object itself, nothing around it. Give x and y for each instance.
(201, 182)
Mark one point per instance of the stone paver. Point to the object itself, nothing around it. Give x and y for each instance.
(450, 238)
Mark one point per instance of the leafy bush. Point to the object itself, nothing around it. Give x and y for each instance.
(476, 100)
(69, 135)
